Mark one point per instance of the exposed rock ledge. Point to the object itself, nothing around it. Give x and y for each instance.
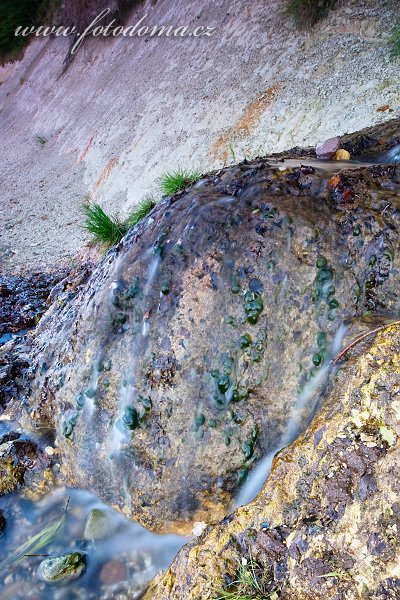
(327, 521)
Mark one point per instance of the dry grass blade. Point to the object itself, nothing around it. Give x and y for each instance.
(44, 537)
(361, 338)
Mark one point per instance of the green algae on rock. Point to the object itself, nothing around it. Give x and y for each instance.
(62, 569)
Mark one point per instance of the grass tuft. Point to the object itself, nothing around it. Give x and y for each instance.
(105, 230)
(109, 230)
(141, 211)
(175, 181)
(394, 42)
(40, 139)
(253, 583)
(307, 12)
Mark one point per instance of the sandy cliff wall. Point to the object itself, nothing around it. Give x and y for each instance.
(127, 109)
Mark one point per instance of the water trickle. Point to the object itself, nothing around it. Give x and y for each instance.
(391, 156)
(300, 417)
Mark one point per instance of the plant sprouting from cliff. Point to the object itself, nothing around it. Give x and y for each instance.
(307, 12)
(40, 139)
(109, 230)
(253, 582)
(394, 42)
(175, 181)
(141, 211)
(105, 230)
(26, 13)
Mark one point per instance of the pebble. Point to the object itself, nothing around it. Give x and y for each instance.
(98, 525)
(62, 569)
(198, 528)
(113, 572)
(342, 154)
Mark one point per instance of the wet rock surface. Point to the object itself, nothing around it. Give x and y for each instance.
(22, 462)
(40, 291)
(62, 569)
(14, 365)
(175, 369)
(326, 524)
(23, 299)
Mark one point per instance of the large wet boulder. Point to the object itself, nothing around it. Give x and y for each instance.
(178, 365)
(326, 524)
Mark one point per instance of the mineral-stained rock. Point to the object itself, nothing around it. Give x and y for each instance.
(177, 366)
(342, 154)
(326, 524)
(21, 461)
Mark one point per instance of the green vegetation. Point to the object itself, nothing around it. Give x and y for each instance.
(141, 211)
(394, 42)
(107, 230)
(253, 583)
(175, 181)
(40, 139)
(22, 13)
(40, 540)
(12, 15)
(307, 12)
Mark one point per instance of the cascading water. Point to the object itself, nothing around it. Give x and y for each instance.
(391, 156)
(302, 413)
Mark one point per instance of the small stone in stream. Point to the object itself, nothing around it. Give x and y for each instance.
(98, 525)
(327, 148)
(342, 154)
(113, 572)
(62, 569)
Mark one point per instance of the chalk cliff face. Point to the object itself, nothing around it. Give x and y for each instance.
(326, 524)
(179, 363)
(129, 108)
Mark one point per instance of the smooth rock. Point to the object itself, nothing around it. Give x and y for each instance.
(98, 525)
(62, 569)
(167, 433)
(342, 154)
(327, 148)
(113, 572)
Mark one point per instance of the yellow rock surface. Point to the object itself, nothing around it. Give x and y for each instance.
(332, 500)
